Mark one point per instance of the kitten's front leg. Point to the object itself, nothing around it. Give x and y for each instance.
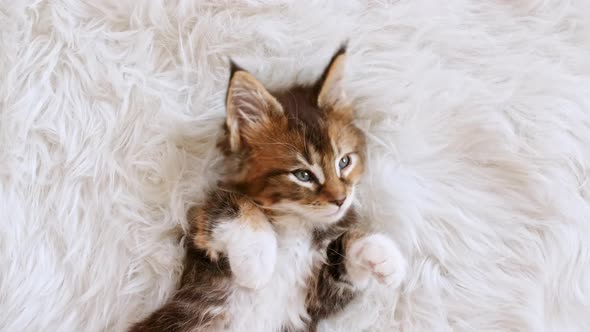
(352, 259)
(378, 256)
(252, 255)
(251, 246)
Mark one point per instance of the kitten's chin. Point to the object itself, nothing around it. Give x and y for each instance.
(319, 219)
(314, 216)
(333, 217)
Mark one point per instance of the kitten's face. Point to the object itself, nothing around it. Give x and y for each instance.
(298, 151)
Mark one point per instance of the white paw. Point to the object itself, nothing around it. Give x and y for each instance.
(375, 255)
(252, 256)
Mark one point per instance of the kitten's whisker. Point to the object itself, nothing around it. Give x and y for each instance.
(337, 253)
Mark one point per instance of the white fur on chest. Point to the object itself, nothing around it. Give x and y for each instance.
(281, 303)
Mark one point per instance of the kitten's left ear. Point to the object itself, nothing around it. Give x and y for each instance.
(249, 108)
(331, 94)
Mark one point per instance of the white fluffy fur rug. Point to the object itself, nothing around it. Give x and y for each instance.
(478, 114)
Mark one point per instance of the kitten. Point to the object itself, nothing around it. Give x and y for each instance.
(277, 246)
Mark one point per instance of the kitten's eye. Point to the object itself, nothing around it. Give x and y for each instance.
(302, 175)
(345, 161)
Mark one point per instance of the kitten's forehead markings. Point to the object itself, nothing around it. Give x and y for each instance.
(335, 148)
(317, 165)
(314, 168)
(336, 153)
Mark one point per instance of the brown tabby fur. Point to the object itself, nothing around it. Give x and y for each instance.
(312, 122)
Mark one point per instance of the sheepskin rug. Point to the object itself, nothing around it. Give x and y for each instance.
(478, 117)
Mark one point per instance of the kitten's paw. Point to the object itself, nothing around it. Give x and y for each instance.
(375, 255)
(252, 257)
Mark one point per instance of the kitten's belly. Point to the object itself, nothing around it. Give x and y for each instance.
(281, 303)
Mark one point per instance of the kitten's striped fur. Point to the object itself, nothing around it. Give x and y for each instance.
(274, 249)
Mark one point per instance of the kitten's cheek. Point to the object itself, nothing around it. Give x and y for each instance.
(252, 257)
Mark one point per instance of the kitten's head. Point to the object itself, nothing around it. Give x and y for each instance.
(295, 151)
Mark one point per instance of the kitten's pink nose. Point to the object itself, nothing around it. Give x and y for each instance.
(339, 201)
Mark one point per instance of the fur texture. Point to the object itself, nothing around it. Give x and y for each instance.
(280, 216)
(478, 116)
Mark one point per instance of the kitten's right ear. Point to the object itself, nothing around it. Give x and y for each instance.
(331, 94)
(249, 107)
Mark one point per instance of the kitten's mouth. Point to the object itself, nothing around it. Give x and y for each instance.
(335, 213)
(339, 211)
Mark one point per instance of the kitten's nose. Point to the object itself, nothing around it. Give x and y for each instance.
(339, 201)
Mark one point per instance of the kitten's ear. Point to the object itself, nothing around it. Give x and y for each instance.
(331, 93)
(249, 107)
